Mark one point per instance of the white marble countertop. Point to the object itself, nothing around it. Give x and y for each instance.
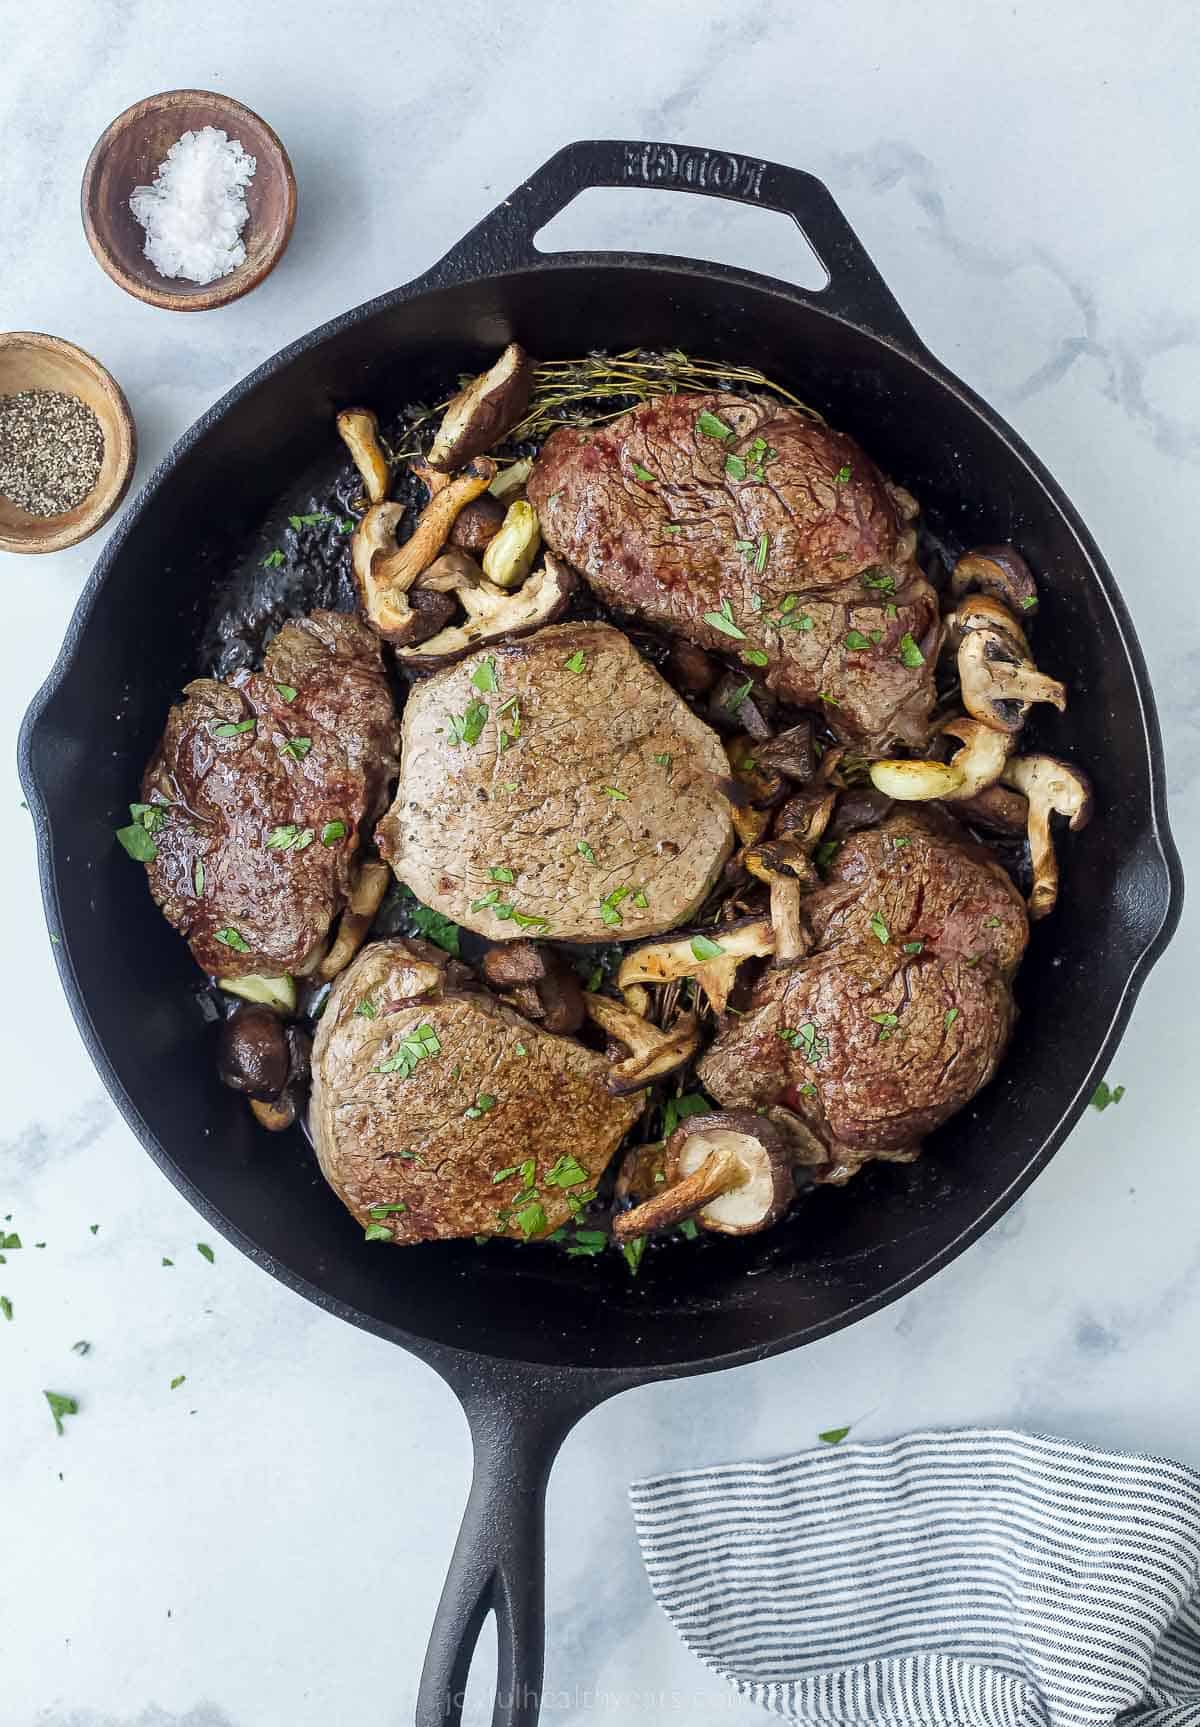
(209, 1556)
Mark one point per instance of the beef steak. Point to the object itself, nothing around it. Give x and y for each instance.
(558, 784)
(780, 537)
(904, 1008)
(267, 785)
(425, 1088)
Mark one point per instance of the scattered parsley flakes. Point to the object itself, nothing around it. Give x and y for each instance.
(467, 727)
(484, 676)
(735, 467)
(6, 1307)
(899, 842)
(643, 474)
(287, 692)
(949, 1017)
(413, 1048)
(886, 1019)
(760, 555)
(703, 948)
(1029, 602)
(499, 873)
(856, 642)
(688, 1229)
(198, 876)
(273, 560)
(530, 1218)
(1104, 1095)
(882, 581)
(377, 1232)
(709, 426)
(842, 475)
(664, 761)
(677, 1109)
(297, 748)
(723, 620)
(833, 1435)
(481, 1106)
(9, 1242)
(737, 696)
(809, 1040)
(755, 657)
(910, 654)
(381, 1211)
(232, 728)
(830, 701)
(576, 662)
(567, 1172)
(168, 1261)
(633, 1251)
(178, 1381)
(136, 840)
(432, 924)
(879, 928)
(332, 832)
(617, 795)
(586, 1243)
(317, 519)
(290, 838)
(826, 852)
(205, 1251)
(230, 937)
(585, 851)
(519, 1049)
(93, 1229)
(913, 947)
(60, 1406)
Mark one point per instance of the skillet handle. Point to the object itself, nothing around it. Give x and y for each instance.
(518, 1420)
(503, 241)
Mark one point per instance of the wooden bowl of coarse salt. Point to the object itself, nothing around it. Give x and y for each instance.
(188, 200)
(67, 443)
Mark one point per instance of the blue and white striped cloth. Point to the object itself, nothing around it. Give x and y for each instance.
(972, 1579)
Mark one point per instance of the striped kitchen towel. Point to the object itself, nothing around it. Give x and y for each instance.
(971, 1579)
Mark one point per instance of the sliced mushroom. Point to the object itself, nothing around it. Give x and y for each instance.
(760, 784)
(731, 1171)
(979, 763)
(509, 556)
(999, 571)
(653, 1053)
(384, 571)
(790, 752)
(996, 808)
(278, 1113)
(492, 613)
(359, 431)
(432, 479)
(276, 992)
(981, 612)
(478, 524)
(485, 411)
(998, 686)
(366, 896)
(806, 815)
(1053, 788)
(543, 983)
(710, 956)
(857, 808)
(788, 870)
(732, 706)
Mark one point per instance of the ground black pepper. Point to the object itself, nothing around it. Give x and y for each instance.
(51, 448)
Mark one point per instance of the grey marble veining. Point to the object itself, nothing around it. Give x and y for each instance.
(265, 1544)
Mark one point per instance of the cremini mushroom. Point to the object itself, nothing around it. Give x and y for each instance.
(484, 411)
(384, 572)
(253, 1055)
(274, 992)
(509, 556)
(1052, 788)
(711, 956)
(999, 685)
(787, 868)
(492, 613)
(806, 815)
(731, 1171)
(543, 984)
(478, 523)
(359, 431)
(366, 896)
(653, 1052)
(789, 753)
(977, 764)
(999, 571)
(997, 808)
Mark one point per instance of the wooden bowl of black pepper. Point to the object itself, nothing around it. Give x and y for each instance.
(67, 443)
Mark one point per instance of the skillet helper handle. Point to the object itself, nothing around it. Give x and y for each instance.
(503, 241)
(499, 1562)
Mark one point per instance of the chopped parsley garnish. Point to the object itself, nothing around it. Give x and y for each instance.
(677, 1109)
(205, 1251)
(484, 676)
(378, 1232)
(586, 1243)
(332, 832)
(297, 748)
(272, 560)
(178, 1380)
(833, 1435)
(499, 873)
(949, 1017)
(703, 948)
(567, 1172)
(688, 1229)
(910, 654)
(1028, 603)
(609, 913)
(233, 938)
(879, 928)
(889, 611)
(1104, 1095)
(842, 475)
(808, 1089)
(60, 1406)
(232, 728)
(755, 657)
(664, 761)
(991, 923)
(6, 1307)
(633, 1251)
(913, 946)
(886, 1019)
(431, 924)
(735, 467)
(640, 900)
(318, 519)
(530, 1218)
(519, 1049)
(883, 581)
(467, 728)
(9, 1242)
(290, 838)
(482, 1104)
(709, 425)
(366, 1009)
(745, 547)
(760, 555)
(723, 620)
(737, 696)
(198, 876)
(576, 662)
(137, 841)
(809, 1040)
(287, 692)
(826, 852)
(505, 1174)
(830, 701)
(414, 1048)
(585, 851)
(643, 474)
(379, 1211)
(856, 642)
(900, 841)
(617, 795)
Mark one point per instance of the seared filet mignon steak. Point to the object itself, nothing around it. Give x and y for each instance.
(438, 1112)
(903, 1010)
(266, 787)
(746, 526)
(558, 784)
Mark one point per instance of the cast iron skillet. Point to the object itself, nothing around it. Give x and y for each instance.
(527, 1341)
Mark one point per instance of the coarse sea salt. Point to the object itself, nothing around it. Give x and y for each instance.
(196, 209)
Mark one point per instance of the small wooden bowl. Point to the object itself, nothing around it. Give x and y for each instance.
(128, 155)
(29, 361)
